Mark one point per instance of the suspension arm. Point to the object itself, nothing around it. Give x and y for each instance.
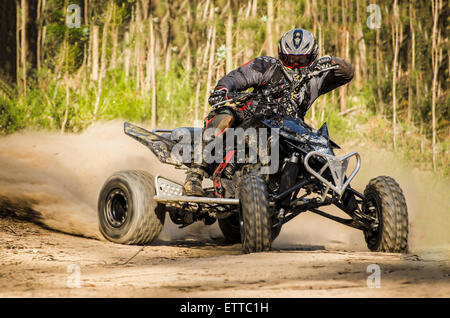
(349, 222)
(287, 192)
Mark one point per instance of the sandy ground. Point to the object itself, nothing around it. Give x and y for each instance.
(37, 262)
(50, 245)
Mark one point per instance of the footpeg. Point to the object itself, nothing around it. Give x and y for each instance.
(168, 191)
(280, 218)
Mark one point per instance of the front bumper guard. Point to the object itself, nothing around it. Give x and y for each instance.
(338, 167)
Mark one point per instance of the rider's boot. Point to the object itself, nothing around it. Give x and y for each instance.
(193, 184)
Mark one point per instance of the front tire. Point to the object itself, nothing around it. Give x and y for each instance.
(126, 209)
(385, 202)
(255, 215)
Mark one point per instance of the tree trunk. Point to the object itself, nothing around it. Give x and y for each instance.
(188, 31)
(18, 44)
(210, 65)
(31, 36)
(380, 107)
(8, 50)
(229, 41)
(153, 73)
(270, 51)
(137, 47)
(343, 89)
(412, 65)
(23, 44)
(196, 105)
(362, 54)
(205, 12)
(208, 44)
(66, 112)
(39, 35)
(127, 55)
(115, 37)
(66, 75)
(307, 8)
(148, 66)
(435, 5)
(329, 18)
(94, 46)
(395, 45)
(167, 62)
(249, 9)
(105, 42)
(102, 61)
(254, 8)
(315, 16)
(86, 12)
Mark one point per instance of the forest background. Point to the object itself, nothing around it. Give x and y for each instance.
(66, 64)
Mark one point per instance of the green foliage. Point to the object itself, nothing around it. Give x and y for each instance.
(176, 97)
(10, 116)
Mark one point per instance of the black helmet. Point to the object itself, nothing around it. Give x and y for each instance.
(297, 48)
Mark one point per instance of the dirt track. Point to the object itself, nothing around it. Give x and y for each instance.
(54, 181)
(35, 263)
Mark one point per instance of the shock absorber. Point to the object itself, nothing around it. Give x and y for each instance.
(288, 178)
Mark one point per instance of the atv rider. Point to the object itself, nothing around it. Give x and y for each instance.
(297, 49)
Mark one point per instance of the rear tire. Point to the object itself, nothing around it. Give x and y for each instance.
(255, 215)
(385, 201)
(126, 209)
(231, 229)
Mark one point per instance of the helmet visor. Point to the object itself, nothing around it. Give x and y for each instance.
(302, 60)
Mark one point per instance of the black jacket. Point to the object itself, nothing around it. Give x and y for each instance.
(265, 72)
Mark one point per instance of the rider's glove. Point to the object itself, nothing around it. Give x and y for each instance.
(322, 62)
(218, 95)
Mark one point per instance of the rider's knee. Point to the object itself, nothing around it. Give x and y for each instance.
(219, 120)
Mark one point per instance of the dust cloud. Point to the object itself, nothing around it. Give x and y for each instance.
(56, 179)
(60, 176)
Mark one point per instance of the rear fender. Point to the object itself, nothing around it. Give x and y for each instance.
(159, 145)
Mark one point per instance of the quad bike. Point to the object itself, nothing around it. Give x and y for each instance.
(251, 207)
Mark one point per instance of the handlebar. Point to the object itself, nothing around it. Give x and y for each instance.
(234, 97)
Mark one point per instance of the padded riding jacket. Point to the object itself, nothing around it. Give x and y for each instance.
(268, 72)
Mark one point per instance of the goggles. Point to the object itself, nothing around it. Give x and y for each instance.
(293, 61)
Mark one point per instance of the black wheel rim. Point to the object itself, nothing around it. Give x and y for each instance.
(116, 208)
(373, 208)
(241, 225)
(235, 220)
